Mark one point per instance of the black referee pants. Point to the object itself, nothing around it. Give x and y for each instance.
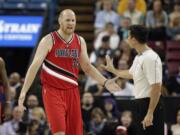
(141, 108)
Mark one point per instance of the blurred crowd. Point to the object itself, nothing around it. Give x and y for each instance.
(112, 19)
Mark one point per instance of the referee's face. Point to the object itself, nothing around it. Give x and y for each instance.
(130, 40)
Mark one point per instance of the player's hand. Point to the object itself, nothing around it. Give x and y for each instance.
(7, 111)
(109, 64)
(148, 121)
(21, 101)
(111, 85)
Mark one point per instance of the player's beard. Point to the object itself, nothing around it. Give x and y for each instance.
(67, 31)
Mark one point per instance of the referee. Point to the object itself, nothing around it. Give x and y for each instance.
(146, 72)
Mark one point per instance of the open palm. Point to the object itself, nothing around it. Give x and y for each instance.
(109, 64)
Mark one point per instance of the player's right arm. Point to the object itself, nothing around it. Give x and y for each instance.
(44, 47)
(121, 73)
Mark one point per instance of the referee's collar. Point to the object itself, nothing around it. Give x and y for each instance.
(143, 52)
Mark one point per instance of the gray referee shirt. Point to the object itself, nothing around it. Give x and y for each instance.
(146, 70)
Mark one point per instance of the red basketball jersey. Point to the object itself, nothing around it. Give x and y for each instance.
(61, 66)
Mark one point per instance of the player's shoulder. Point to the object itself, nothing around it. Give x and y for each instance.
(82, 40)
(1, 61)
(47, 37)
(47, 41)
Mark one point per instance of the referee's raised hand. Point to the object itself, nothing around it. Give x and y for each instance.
(109, 64)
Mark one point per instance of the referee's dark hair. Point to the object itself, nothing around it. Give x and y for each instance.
(139, 32)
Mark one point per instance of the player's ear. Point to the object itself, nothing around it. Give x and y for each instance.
(59, 20)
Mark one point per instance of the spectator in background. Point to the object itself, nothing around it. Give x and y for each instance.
(98, 122)
(157, 21)
(173, 31)
(123, 28)
(113, 37)
(10, 127)
(175, 128)
(14, 80)
(15, 83)
(173, 84)
(157, 17)
(126, 120)
(111, 110)
(121, 130)
(87, 107)
(111, 114)
(102, 51)
(106, 15)
(95, 88)
(140, 5)
(124, 53)
(131, 12)
(39, 114)
(34, 128)
(13, 100)
(99, 5)
(127, 89)
(38, 124)
(32, 102)
(175, 14)
(92, 85)
(167, 4)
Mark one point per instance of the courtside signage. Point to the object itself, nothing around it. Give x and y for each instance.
(20, 31)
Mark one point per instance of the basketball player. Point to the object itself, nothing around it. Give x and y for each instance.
(146, 71)
(4, 89)
(60, 54)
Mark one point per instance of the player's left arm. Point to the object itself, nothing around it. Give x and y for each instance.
(87, 67)
(90, 70)
(153, 72)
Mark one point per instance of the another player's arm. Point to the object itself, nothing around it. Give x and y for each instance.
(121, 73)
(87, 67)
(4, 78)
(44, 47)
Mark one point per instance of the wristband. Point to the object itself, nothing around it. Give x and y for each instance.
(8, 102)
(105, 83)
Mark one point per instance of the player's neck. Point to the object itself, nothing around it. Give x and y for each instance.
(65, 36)
(141, 48)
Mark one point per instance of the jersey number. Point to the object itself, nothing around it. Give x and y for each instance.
(75, 63)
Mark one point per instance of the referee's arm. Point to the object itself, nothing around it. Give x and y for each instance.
(120, 73)
(152, 68)
(153, 72)
(154, 97)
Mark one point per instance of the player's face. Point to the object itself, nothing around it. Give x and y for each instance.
(68, 23)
